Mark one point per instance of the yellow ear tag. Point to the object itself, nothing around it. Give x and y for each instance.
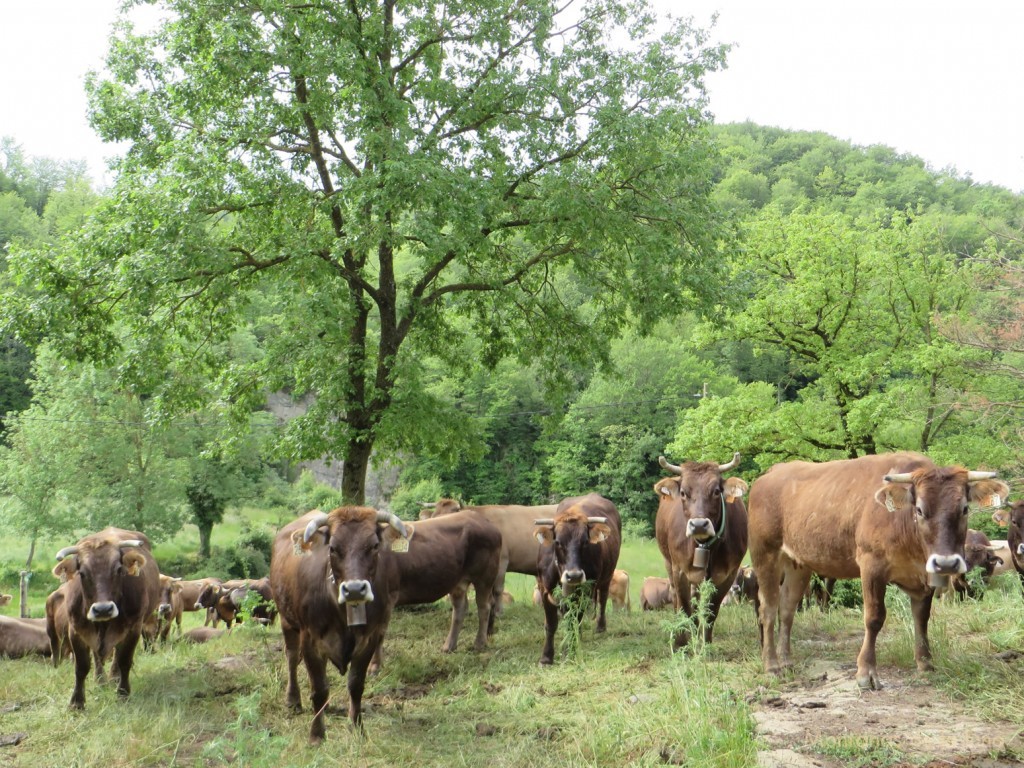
(401, 544)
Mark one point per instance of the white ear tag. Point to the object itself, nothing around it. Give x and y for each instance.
(996, 500)
(401, 544)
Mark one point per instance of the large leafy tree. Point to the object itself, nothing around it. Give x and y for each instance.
(373, 171)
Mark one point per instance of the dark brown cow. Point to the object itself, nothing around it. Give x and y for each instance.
(1013, 518)
(655, 593)
(113, 586)
(701, 528)
(519, 545)
(979, 553)
(214, 599)
(886, 519)
(58, 626)
(23, 637)
(332, 576)
(446, 555)
(169, 610)
(580, 543)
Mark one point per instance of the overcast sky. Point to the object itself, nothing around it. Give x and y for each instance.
(939, 79)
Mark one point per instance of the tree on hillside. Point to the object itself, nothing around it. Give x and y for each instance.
(389, 182)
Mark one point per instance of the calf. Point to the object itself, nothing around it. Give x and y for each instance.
(890, 518)
(201, 635)
(618, 590)
(169, 610)
(980, 554)
(701, 528)
(447, 555)
(58, 627)
(22, 637)
(113, 585)
(332, 576)
(5, 600)
(655, 593)
(580, 543)
(1013, 519)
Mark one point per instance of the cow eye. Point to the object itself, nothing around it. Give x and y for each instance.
(966, 510)
(919, 510)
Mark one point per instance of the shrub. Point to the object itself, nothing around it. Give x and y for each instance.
(309, 494)
(405, 501)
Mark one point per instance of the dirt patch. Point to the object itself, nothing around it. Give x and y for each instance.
(802, 723)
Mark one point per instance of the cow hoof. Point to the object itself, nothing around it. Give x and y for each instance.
(925, 665)
(546, 662)
(869, 682)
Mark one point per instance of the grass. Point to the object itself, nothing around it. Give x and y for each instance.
(623, 699)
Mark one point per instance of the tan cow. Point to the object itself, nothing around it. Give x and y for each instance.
(618, 590)
(23, 637)
(655, 593)
(58, 629)
(5, 600)
(169, 610)
(886, 519)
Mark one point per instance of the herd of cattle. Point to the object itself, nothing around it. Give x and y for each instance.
(335, 577)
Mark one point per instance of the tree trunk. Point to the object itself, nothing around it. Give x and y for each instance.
(31, 554)
(205, 529)
(353, 473)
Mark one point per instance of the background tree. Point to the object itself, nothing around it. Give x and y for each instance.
(372, 176)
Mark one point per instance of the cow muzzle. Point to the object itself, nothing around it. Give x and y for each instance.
(102, 612)
(1020, 549)
(164, 609)
(941, 567)
(572, 578)
(700, 528)
(356, 591)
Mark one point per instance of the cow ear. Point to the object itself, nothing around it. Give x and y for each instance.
(989, 493)
(1001, 517)
(735, 488)
(895, 496)
(66, 568)
(662, 486)
(599, 532)
(545, 533)
(133, 560)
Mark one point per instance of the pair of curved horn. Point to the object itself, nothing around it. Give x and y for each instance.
(973, 476)
(550, 521)
(382, 517)
(721, 467)
(73, 549)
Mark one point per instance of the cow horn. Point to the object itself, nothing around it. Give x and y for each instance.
(72, 550)
(428, 504)
(591, 520)
(313, 524)
(544, 521)
(731, 464)
(974, 476)
(898, 477)
(394, 521)
(130, 543)
(674, 467)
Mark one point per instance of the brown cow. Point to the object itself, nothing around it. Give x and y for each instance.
(115, 587)
(332, 576)
(701, 528)
(618, 590)
(1013, 518)
(446, 555)
(519, 545)
(190, 589)
(979, 553)
(5, 600)
(214, 598)
(655, 593)
(23, 637)
(171, 605)
(58, 626)
(580, 543)
(201, 634)
(887, 519)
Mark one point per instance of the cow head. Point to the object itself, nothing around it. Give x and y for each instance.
(570, 533)
(979, 553)
(1013, 518)
(354, 537)
(938, 500)
(698, 495)
(209, 594)
(169, 587)
(101, 565)
(441, 507)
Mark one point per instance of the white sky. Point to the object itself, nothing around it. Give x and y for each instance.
(940, 79)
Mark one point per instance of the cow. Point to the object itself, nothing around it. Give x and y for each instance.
(519, 546)
(5, 600)
(171, 605)
(58, 626)
(886, 519)
(1001, 551)
(23, 637)
(332, 575)
(1013, 519)
(744, 588)
(701, 529)
(447, 555)
(214, 597)
(113, 585)
(981, 554)
(199, 635)
(618, 590)
(655, 593)
(190, 590)
(580, 543)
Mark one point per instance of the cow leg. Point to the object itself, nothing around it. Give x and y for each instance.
(769, 579)
(292, 696)
(601, 603)
(316, 668)
(547, 655)
(484, 612)
(794, 586)
(921, 608)
(499, 588)
(873, 587)
(83, 662)
(460, 604)
(717, 597)
(358, 664)
(123, 657)
(680, 586)
(378, 658)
